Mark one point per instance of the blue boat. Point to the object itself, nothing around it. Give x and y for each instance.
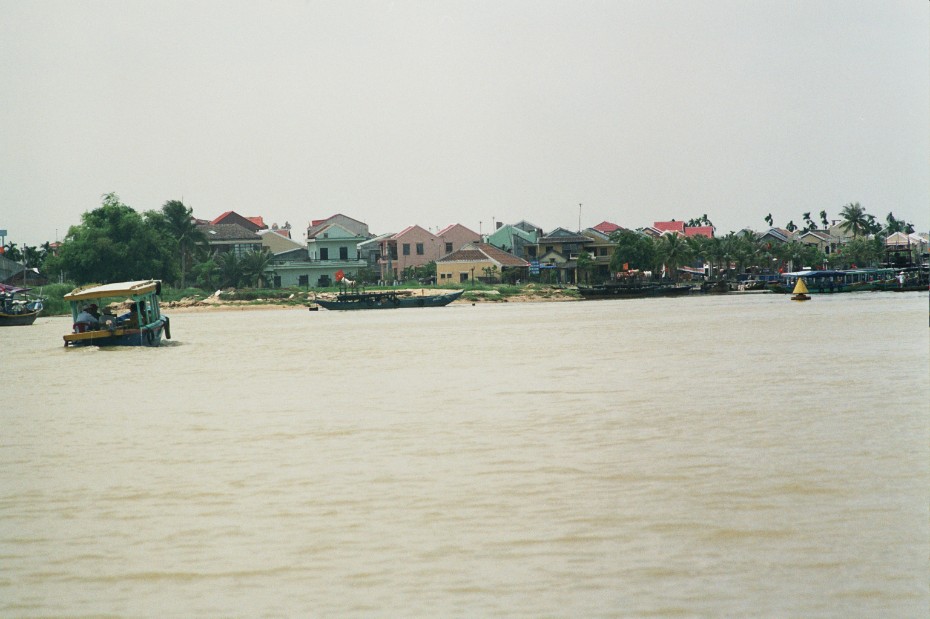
(18, 307)
(142, 325)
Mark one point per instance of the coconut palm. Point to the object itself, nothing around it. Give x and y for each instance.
(253, 265)
(855, 219)
(183, 228)
(229, 269)
(674, 251)
(810, 222)
(824, 220)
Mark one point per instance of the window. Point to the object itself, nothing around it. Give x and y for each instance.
(463, 276)
(419, 249)
(324, 253)
(343, 253)
(393, 252)
(406, 249)
(303, 280)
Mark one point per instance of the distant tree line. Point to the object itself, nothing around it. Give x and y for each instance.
(115, 243)
(737, 253)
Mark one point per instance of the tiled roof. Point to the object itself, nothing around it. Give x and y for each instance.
(707, 231)
(221, 217)
(228, 232)
(607, 227)
(452, 227)
(561, 235)
(669, 226)
(477, 252)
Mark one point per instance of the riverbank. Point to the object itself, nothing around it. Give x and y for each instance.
(224, 301)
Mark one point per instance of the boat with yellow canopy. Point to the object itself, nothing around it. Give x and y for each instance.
(141, 325)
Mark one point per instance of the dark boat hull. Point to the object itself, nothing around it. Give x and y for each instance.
(386, 300)
(608, 291)
(149, 336)
(18, 320)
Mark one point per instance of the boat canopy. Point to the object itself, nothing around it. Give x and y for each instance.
(7, 289)
(113, 290)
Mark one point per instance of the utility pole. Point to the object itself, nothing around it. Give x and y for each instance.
(579, 217)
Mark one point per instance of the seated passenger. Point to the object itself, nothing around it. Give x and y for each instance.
(89, 316)
(131, 318)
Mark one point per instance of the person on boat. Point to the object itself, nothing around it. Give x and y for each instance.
(132, 316)
(89, 315)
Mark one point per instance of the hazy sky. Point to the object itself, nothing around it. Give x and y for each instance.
(434, 112)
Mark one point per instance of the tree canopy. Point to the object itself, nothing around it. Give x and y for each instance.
(114, 243)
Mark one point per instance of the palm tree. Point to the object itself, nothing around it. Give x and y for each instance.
(182, 226)
(11, 252)
(769, 220)
(855, 219)
(810, 222)
(824, 220)
(585, 266)
(674, 251)
(253, 266)
(230, 269)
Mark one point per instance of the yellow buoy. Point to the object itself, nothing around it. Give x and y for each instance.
(800, 291)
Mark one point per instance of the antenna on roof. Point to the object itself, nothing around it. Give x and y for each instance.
(579, 217)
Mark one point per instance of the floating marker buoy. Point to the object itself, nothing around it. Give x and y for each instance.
(800, 291)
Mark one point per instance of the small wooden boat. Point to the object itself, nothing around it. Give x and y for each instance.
(17, 307)
(142, 325)
(355, 299)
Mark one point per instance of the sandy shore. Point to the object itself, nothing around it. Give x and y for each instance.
(214, 303)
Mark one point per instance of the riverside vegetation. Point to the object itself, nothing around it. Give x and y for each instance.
(114, 242)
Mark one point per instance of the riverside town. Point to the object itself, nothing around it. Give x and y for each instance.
(240, 258)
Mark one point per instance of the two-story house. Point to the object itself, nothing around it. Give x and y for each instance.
(332, 246)
(412, 247)
(559, 250)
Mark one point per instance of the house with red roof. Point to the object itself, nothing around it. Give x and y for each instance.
(670, 226)
(707, 231)
(679, 227)
(249, 223)
(482, 262)
(607, 227)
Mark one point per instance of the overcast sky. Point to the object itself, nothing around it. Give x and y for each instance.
(433, 112)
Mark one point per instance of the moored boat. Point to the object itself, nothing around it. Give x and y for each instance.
(142, 325)
(18, 307)
(637, 290)
(354, 299)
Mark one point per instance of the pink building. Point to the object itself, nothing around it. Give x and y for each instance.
(410, 248)
(454, 237)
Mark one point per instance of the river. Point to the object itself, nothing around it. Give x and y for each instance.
(707, 456)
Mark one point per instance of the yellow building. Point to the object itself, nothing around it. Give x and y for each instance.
(481, 262)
